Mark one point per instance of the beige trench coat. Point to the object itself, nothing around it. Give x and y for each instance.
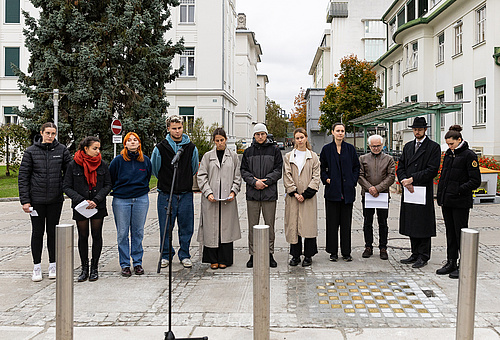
(219, 180)
(301, 218)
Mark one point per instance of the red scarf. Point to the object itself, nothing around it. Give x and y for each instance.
(90, 165)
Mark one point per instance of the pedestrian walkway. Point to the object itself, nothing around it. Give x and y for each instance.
(363, 299)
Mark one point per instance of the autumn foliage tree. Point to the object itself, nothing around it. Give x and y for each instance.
(354, 95)
(276, 123)
(298, 117)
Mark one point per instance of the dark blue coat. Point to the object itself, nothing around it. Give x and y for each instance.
(331, 163)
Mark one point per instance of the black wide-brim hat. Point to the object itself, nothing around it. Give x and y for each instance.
(419, 122)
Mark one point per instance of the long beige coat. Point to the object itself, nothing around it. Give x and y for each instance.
(219, 180)
(301, 218)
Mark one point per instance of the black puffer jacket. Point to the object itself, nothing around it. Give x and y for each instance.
(41, 172)
(262, 161)
(76, 186)
(459, 176)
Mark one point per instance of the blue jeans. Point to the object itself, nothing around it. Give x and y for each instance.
(183, 212)
(130, 215)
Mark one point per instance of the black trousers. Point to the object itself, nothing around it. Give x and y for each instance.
(222, 255)
(46, 221)
(338, 216)
(310, 247)
(421, 247)
(383, 229)
(454, 220)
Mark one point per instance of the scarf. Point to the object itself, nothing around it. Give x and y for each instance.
(90, 165)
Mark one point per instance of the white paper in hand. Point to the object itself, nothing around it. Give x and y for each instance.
(82, 209)
(33, 212)
(379, 202)
(417, 197)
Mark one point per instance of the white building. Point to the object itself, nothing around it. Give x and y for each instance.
(441, 51)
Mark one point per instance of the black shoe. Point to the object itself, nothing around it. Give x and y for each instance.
(294, 261)
(383, 254)
(347, 258)
(307, 261)
(449, 266)
(368, 252)
(250, 262)
(138, 270)
(84, 275)
(334, 257)
(419, 263)
(411, 259)
(94, 274)
(272, 262)
(126, 272)
(454, 274)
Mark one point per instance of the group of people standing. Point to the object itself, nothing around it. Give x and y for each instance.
(47, 170)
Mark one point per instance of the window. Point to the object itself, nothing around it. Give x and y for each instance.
(422, 7)
(187, 60)
(9, 116)
(392, 30)
(434, 2)
(481, 101)
(187, 11)
(410, 10)
(382, 81)
(401, 17)
(415, 55)
(12, 12)
(374, 48)
(11, 57)
(391, 75)
(414, 98)
(412, 56)
(440, 98)
(458, 37)
(441, 48)
(459, 96)
(187, 114)
(374, 27)
(481, 20)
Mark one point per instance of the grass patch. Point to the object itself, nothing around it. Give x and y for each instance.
(8, 184)
(153, 182)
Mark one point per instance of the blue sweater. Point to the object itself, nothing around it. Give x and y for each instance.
(130, 179)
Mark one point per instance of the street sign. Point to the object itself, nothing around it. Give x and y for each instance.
(116, 126)
(117, 139)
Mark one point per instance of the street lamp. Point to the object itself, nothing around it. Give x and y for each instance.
(55, 99)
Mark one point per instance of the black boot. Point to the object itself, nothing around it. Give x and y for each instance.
(449, 266)
(94, 275)
(84, 275)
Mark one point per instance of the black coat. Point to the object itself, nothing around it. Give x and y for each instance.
(417, 220)
(76, 186)
(331, 162)
(459, 176)
(41, 173)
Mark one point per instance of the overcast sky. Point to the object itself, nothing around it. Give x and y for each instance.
(289, 32)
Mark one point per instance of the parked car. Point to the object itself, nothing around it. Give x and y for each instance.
(281, 145)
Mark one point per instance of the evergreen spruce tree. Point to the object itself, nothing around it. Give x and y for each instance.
(109, 58)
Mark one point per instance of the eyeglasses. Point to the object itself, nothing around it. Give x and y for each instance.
(375, 146)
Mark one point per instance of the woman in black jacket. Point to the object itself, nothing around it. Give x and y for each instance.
(88, 179)
(459, 176)
(40, 192)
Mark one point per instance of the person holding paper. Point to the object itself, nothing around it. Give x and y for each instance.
(40, 192)
(130, 174)
(88, 179)
(219, 180)
(339, 174)
(301, 177)
(459, 176)
(418, 165)
(376, 175)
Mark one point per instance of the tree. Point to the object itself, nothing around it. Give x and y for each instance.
(276, 123)
(354, 96)
(13, 137)
(299, 112)
(201, 136)
(109, 58)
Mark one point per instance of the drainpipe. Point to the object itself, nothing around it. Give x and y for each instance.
(223, 60)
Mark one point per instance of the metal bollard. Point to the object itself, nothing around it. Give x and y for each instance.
(467, 285)
(64, 281)
(261, 292)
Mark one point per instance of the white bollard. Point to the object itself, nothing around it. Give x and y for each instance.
(261, 291)
(64, 281)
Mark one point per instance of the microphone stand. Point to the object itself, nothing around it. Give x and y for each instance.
(170, 335)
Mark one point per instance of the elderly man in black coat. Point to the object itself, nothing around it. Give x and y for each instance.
(418, 166)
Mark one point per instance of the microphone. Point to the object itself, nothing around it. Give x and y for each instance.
(177, 156)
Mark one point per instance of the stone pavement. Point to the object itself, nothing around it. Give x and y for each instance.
(363, 299)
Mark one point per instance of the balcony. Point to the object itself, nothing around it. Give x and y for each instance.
(336, 9)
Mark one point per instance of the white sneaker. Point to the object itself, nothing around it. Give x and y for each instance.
(37, 273)
(187, 263)
(52, 271)
(164, 263)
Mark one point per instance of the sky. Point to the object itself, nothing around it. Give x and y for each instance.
(289, 32)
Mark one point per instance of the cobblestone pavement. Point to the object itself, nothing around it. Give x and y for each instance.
(365, 293)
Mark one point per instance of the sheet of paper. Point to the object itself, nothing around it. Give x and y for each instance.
(33, 212)
(222, 199)
(379, 202)
(418, 196)
(82, 209)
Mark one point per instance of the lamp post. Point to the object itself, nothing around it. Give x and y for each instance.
(55, 93)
